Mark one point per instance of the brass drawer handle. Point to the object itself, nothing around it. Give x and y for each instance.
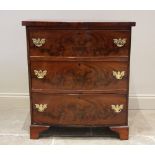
(40, 74)
(38, 42)
(120, 42)
(117, 108)
(41, 107)
(118, 74)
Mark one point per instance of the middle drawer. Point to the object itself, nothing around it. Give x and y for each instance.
(81, 75)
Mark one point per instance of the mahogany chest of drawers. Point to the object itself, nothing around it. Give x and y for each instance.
(79, 75)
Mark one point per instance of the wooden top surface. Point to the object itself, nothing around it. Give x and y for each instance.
(79, 25)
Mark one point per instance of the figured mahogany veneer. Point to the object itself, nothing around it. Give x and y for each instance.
(79, 109)
(79, 43)
(79, 75)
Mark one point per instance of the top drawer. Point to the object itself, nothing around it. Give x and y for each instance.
(78, 43)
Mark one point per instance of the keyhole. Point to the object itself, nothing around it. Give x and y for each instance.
(79, 64)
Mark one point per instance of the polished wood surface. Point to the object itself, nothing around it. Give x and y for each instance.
(78, 25)
(79, 88)
(123, 131)
(80, 75)
(79, 43)
(79, 110)
(36, 130)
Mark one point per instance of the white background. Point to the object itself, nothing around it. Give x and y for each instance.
(21, 63)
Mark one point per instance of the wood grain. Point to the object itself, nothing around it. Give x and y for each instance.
(78, 43)
(79, 88)
(79, 76)
(79, 109)
(79, 25)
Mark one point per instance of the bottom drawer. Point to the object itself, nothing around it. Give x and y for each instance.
(79, 109)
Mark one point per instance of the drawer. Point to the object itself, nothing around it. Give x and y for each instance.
(79, 110)
(82, 75)
(79, 43)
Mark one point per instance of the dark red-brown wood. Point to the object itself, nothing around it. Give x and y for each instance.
(80, 75)
(79, 43)
(79, 110)
(36, 130)
(79, 25)
(122, 131)
(79, 88)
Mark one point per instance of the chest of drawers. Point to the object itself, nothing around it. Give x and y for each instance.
(79, 75)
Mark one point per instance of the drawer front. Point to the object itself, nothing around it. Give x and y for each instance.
(75, 75)
(82, 110)
(79, 43)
